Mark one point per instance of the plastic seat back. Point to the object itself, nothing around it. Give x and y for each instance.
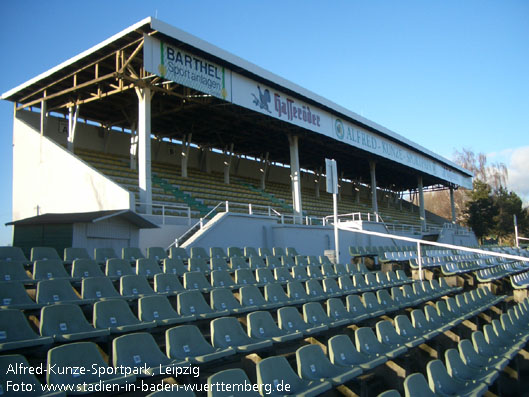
(174, 266)
(13, 254)
(113, 313)
(44, 253)
(13, 271)
(289, 319)
(134, 285)
(131, 254)
(355, 306)
(415, 385)
(138, 350)
(63, 319)
(296, 291)
(71, 254)
(199, 252)
(157, 253)
(116, 267)
(276, 370)
(197, 264)
(235, 376)
(102, 255)
(82, 268)
(251, 296)
(264, 276)
(147, 267)
(228, 332)
(97, 288)
(186, 341)
(178, 253)
(155, 308)
(217, 252)
(192, 303)
(330, 286)
(221, 279)
(49, 269)
(234, 252)
(52, 291)
(261, 325)
(167, 283)
(15, 327)
(300, 273)
(314, 314)
(256, 262)
(244, 277)
(274, 293)
(272, 262)
(223, 299)
(219, 264)
(282, 275)
(196, 281)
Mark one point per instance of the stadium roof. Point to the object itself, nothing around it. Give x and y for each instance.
(102, 81)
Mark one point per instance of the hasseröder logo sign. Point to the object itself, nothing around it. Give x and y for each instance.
(339, 129)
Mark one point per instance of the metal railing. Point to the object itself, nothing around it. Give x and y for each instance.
(166, 210)
(434, 243)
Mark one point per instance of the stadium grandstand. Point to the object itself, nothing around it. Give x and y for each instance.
(173, 233)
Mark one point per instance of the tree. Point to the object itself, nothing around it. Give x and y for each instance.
(508, 204)
(480, 210)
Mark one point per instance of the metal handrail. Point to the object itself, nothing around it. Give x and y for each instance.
(169, 207)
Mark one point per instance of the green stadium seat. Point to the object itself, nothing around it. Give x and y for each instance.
(274, 293)
(291, 251)
(44, 253)
(50, 269)
(287, 262)
(261, 325)
(343, 352)
(315, 290)
(236, 252)
(139, 351)
(372, 304)
(192, 303)
(406, 330)
(235, 377)
(95, 288)
(174, 266)
(102, 255)
(71, 254)
(356, 307)
(134, 285)
(282, 275)
(337, 311)
(277, 371)
(178, 253)
(67, 323)
(159, 309)
(13, 271)
(218, 253)
(278, 251)
(83, 268)
(314, 315)
(20, 378)
(196, 281)
(314, 272)
(238, 262)
(346, 284)
(339, 269)
(314, 365)
(301, 260)
(265, 252)
(131, 254)
(415, 385)
(368, 344)
(328, 270)
(387, 335)
(198, 265)
(457, 369)
(116, 316)
(167, 283)
(199, 253)
(13, 254)
(115, 268)
(390, 393)
(16, 333)
(251, 296)
(299, 273)
(157, 253)
(433, 317)
(82, 354)
(256, 262)
(443, 384)
(55, 291)
(244, 277)
(264, 276)
(186, 342)
(290, 320)
(223, 299)
(251, 252)
(14, 296)
(228, 332)
(422, 325)
(147, 267)
(476, 360)
(273, 262)
(297, 292)
(330, 287)
(220, 264)
(501, 345)
(222, 279)
(360, 284)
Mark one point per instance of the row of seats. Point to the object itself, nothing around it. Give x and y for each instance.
(14, 295)
(520, 281)
(116, 316)
(501, 271)
(476, 364)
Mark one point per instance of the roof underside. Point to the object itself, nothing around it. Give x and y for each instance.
(102, 81)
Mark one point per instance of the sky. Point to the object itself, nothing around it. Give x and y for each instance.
(446, 74)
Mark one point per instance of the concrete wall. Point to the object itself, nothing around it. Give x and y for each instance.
(47, 176)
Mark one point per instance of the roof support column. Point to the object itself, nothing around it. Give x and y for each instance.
(264, 170)
(453, 205)
(228, 155)
(372, 169)
(133, 147)
(144, 149)
(295, 176)
(422, 213)
(186, 142)
(72, 124)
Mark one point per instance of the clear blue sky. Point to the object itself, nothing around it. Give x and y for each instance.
(446, 74)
